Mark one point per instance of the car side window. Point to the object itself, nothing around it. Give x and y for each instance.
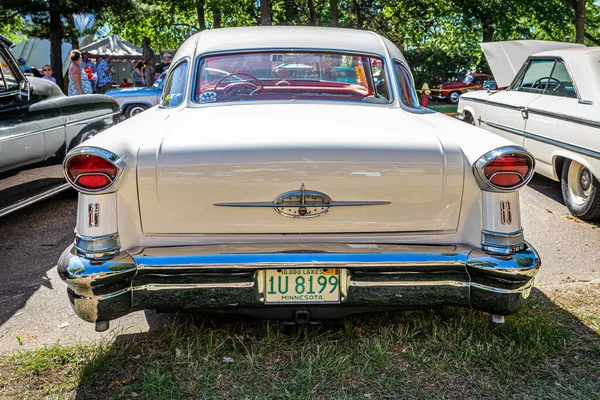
(536, 77)
(560, 83)
(408, 95)
(173, 93)
(8, 80)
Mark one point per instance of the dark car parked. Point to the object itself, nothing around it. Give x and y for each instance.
(38, 126)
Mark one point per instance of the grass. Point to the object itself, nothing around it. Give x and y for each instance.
(549, 350)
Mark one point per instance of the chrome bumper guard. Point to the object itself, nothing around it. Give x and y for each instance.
(227, 278)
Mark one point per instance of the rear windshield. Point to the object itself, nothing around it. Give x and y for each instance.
(291, 76)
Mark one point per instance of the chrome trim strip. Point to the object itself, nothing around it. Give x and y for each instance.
(503, 249)
(409, 283)
(503, 235)
(97, 247)
(564, 117)
(92, 118)
(491, 103)
(34, 199)
(524, 289)
(93, 215)
(563, 145)
(504, 243)
(333, 204)
(10, 93)
(24, 134)
(487, 185)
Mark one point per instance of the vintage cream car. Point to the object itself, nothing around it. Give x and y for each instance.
(552, 107)
(296, 198)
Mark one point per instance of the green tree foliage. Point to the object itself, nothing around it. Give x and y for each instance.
(10, 24)
(50, 19)
(438, 37)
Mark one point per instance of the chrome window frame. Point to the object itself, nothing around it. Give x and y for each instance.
(200, 57)
(167, 80)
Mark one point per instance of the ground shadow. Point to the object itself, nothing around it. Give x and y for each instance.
(31, 241)
(552, 190)
(547, 187)
(543, 351)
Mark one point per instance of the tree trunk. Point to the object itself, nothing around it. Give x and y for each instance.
(265, 12)
(580, 21)
(200, 11)
(290, 12)
(333, 10)
(312, 12)
(73, 32)
(357, 10)
(55, 43)
(488, 31)
(216, 19)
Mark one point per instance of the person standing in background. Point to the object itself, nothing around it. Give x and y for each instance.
(164, 64)
(104, 73)
(148, 60)
(138, 74)
(78, 81)
(47, 71)
(86, 62)
(23, 65)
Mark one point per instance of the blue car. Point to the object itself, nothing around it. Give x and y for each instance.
(134, 100)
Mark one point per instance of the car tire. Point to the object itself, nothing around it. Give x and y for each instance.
(453, 97)
(469, 119)
(134, 109)
(580, 191)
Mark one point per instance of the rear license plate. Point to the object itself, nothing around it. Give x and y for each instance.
(318, 285)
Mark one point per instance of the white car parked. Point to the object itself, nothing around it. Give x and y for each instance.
(551, 106)
(295, 197)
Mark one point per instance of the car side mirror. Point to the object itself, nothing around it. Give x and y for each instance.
(25, 87)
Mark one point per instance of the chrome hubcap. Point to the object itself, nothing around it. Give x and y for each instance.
(585, 179)
(580, 183)
(454, 97)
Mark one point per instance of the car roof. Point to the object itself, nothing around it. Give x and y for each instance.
(283, 37)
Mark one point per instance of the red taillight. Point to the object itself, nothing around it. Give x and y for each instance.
(89, 171)
(509, 170)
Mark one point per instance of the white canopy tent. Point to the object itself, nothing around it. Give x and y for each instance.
(115, 47)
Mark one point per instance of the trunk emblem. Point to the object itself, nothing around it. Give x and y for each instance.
(303, 203)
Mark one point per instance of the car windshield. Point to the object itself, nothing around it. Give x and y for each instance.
(291, 76)
(468, 79)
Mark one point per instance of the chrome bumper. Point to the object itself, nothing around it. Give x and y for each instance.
(228, 278)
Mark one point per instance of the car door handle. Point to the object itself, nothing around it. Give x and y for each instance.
(524, 112)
